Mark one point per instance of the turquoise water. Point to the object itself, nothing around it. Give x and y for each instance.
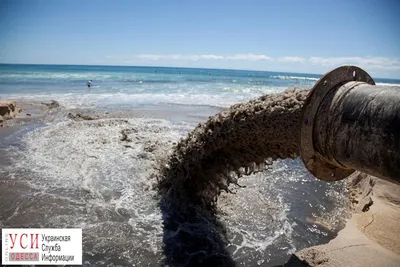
(143, 85)
(146, 85)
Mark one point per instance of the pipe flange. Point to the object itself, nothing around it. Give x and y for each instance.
(314, 162)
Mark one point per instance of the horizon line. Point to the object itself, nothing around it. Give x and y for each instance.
(141, 66)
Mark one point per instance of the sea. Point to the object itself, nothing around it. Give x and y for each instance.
(64, 173)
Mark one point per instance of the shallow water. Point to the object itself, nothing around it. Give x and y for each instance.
(81, 174)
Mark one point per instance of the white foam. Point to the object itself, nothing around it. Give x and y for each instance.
(389, 84)
(89, 166)
(257, 216)
(54, 76)
(89, 158)
(282, 77)
(72, 100)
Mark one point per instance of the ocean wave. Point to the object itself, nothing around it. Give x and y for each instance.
(389, 84)
(52, 76)
(149, 81)
(219, 95)
(74, 100)
(280, 77)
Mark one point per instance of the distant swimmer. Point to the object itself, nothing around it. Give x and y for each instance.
(89, 83)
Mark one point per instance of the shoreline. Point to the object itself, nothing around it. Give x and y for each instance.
(371, 236)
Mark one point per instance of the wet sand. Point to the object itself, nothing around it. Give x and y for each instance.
(372, 235)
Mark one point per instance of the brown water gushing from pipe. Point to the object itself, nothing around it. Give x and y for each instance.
(238, 141)
(241, 140)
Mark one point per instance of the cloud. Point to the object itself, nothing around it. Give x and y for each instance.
(370, 62)
(250, 57)
(211, 57)
(292, 59)
(177, 57)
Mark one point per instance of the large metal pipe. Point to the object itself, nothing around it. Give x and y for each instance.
(349, 124)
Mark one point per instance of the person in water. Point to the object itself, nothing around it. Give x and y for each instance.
(89, 83)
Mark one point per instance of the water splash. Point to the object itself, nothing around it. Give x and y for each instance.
(239, 141)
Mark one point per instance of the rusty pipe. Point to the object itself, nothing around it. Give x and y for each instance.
(349, 124)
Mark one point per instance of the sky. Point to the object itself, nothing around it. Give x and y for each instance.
(312, 36)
